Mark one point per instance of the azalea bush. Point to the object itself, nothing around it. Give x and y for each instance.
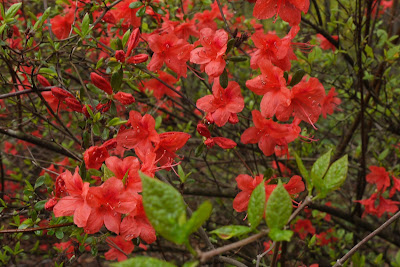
(200, 133)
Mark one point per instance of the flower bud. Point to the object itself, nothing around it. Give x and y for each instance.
(104, 107)
(110, 144)
(120, 55)
(138, 59)
(133, 41)
(43, 81)
(101, 83)
(60, 93)
(203, 130)
(124, 98)
(73, 104)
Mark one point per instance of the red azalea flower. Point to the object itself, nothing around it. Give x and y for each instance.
(128, 166)
(305, 103)
(272, 48)
(288, 10)
(94, 156)
(108, 202)
(386, 205)
(325, 44)
(272, 85)
(210, 56)
(122, 244)
(141, 135)
(158, 88)
(247, 184)
(303, 228)
(170, 50)
(271, 136)
(136, 225)
(329, 103)
(169, 143)
(223, 103)
(75, 203)
(380, 177)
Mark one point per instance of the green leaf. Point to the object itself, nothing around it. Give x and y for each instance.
(198, 218)
(303, 171)
(12, 11)
(40, 181)
(280, 235)
(279, 208)
(141, 12)
(107, 173)
(181, 174)
(319, 169)
(125, 38)
(165, 208)
(223, 79)
(40, 205)
(85, 24)
(116, 121)
(336, 174)
(135, 5)
(96, 129)
(39, 24)
(256, 206)
(142, 261)
(297, 77)
(116, 79)
(229, 45)
(59, 234)
(230, 231)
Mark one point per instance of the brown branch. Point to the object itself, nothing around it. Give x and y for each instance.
(342, 260)
(12, 231)
(28, 91)
(205, 256)
(39, 142)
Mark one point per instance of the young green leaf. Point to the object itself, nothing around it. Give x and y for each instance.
(336, 174)
(303, 171)
(319, 169)
(256, 206)
(165, 208)
(141, 12)
(135, 5)
(116, 79)
(280, 235)
(279, 208)
(12, 11)
(230, 231)
(85, 24)
(198, 218)
(142, 261)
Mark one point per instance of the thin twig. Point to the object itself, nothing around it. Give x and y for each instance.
(205, 256)
(342, 260)
(11, 231)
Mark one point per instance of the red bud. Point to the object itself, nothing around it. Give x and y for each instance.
(101, 83)
(43, 81)
(133, 41)
(120, 55)
(60, 93)
(124, 98)
(73, 104)
(138, 59)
